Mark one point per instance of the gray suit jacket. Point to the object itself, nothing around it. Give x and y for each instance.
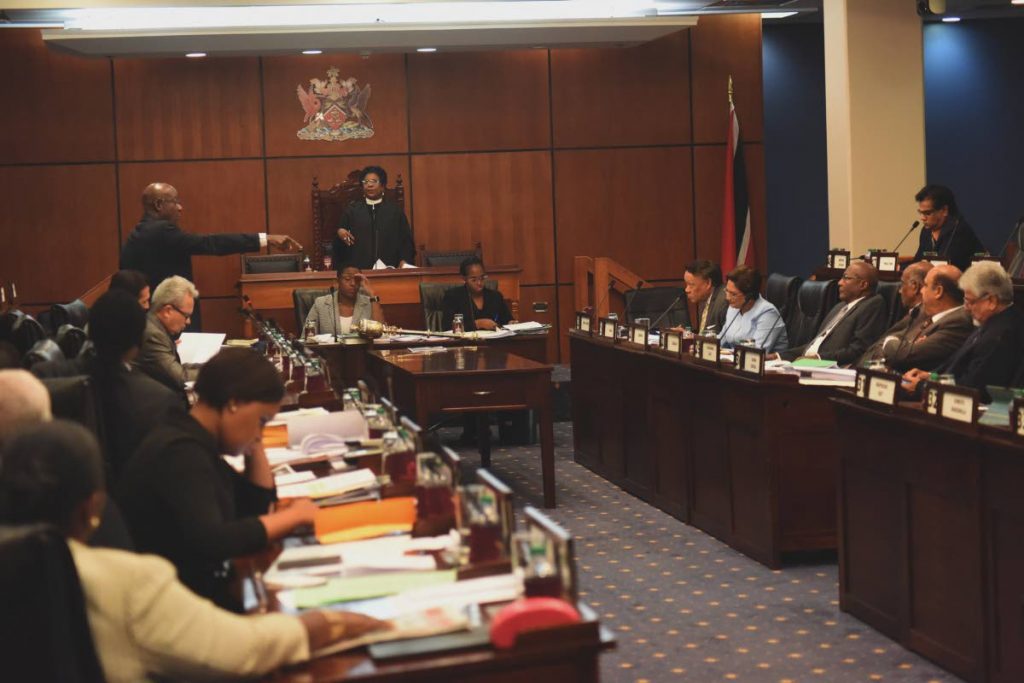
(323, 313)
(920, 345)
(848, 340)
(717, 308)
(158, 356)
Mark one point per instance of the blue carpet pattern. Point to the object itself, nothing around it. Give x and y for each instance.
(685, 607)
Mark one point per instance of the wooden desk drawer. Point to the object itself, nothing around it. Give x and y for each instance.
(470, 392)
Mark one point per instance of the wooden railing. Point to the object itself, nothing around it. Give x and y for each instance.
(595, 277)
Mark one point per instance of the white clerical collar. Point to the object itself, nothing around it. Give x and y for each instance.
(373, 202)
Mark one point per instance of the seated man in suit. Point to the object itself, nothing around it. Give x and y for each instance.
(931, 332)
(911, 281)
(703, 281)
(170, 311)
(481, 308)
(992, 354)
(374, 228)
(356, 301)
(853, 323)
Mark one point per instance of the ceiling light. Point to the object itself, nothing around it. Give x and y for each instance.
(195, 55)
(776, 15)
(312, 52)
(950, 20)
(1017, 2)
(426, 49)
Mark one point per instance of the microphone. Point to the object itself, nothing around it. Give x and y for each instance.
(1014, 234)
(654, 325)
(629, 309)
(334, 310)
(912, 228)
(604, 298)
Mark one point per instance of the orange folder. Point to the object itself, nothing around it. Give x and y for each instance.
(275, 436)
(367, 519)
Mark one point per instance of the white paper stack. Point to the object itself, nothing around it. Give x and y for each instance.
(195, 348)
(333, 485)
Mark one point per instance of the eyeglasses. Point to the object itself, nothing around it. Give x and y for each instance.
(370, 181)
(972, 300)
(186, 316)
(349, 278)
(850, 277)
(476, 278)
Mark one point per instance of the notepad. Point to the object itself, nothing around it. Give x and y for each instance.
(346, 589)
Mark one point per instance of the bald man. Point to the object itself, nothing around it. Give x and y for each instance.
(932, 331)
(853, 324)
(159, 248)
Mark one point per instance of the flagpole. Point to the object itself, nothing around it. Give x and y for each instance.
(730, 91)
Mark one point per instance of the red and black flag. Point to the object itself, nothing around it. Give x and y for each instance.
(737, 240)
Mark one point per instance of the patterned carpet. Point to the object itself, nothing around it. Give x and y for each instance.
(686, 607)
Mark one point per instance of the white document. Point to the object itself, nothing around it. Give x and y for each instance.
(285, 418)
(289, 478)
(500, 588)
(494, 334)
(380, 265)
(812, 382)
(348, 424)
(408, 265)
(195, 348)
(332, 485)
(526, 326)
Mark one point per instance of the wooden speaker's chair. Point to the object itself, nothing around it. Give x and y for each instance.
(451, 257)
(328, 205)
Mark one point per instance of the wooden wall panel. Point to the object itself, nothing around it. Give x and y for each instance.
(634, 96)
(479, 101)
(385, 74)
(60, 229)
(56, 107)
(188, 108)
(221, 315)
(708, 187)
(634, 205)
(724, 45)
(289, 183)
(502, 200)
(216, 196)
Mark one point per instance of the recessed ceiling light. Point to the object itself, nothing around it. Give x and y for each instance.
(195, 55)
(312, 52)
(1017, 2)
(776, 15)
(950, 20)
(426, 49)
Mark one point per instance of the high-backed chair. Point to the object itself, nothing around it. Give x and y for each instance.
(75, 313)
(71, 340)
(328, 205)
(814, 299)
(73, 398)
(432, 300)
(781, 291)
(302, 301)
(452, 257)
(271, 263)
(27, 333)
(890, 292)
(43, 351)
(42, 610)
(667, 303)
(8, 321)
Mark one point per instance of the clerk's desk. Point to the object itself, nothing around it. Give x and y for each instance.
(750, 461)
(399, 290)
(932, 536)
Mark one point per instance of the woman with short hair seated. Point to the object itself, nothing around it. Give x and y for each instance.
(183, 501)
(751, 318)
(355, 301)
(144, 622)
(481, 308)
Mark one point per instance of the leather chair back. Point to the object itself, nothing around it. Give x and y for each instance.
(890, 292)
(8, 320)
(27, 333)
(452, 257)
(814, 299)
(75, 313)
(271, 263)
(655, 302)
(42, 610)
(302, 302)
(43, 351)
(781, 291)
(71, 340)
(432, 300)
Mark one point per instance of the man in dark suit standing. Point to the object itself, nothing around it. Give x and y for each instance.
(159, 248)
(853, 323)
(703, 281)
(992, 354)
(932, 331)
(373, 229)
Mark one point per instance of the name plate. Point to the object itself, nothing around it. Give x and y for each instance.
(931, 398)
(1017, 417)
(838, 259)
(638, 334)
(882, 390)
(708, 349)
(750, 360)
(607, 327)
(886, 261)
(584, 323)
(959, 404)
(671, 342)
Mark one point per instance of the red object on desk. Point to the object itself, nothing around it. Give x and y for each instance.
(531, 614)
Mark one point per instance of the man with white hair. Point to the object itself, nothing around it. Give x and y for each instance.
(993, 352)
(23, 401)
(170, 310)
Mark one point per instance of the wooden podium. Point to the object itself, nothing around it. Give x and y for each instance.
(399, 291)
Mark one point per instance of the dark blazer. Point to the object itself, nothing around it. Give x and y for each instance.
(920, 344)
(183, 502)
(848, 341)
(383, 234)
(718, 306)
(458, 300)
(991, 355)
(957, 243)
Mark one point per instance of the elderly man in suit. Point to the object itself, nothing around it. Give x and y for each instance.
(933, 330)
(852, 324)
(704, 289)
(170, 311)
(991, 355)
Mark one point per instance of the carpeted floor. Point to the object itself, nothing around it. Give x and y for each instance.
(686, 607)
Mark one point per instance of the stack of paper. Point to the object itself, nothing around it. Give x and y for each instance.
(527, 327)
(333, 485)
(195, 348)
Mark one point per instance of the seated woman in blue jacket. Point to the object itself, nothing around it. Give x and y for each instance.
(751, 317)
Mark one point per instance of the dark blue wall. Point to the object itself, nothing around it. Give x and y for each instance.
(974, 120)
(796, 177)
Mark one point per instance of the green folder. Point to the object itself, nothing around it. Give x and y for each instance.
(376, 585)
(814, 363)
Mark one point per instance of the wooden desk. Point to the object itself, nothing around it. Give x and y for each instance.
(471, 380)
(932, 536)
(751, 461)
(346, 360)
(399, 290)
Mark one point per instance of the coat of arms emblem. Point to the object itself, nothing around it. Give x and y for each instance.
(335, 109)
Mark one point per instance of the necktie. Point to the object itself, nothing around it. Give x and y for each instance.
(704, 315)
(813, 347)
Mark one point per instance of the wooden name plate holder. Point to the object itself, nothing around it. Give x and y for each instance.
(707, 350)
(877, 387)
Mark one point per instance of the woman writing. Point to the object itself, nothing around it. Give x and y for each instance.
(356, 301)
(184, 502)
(481, 308)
